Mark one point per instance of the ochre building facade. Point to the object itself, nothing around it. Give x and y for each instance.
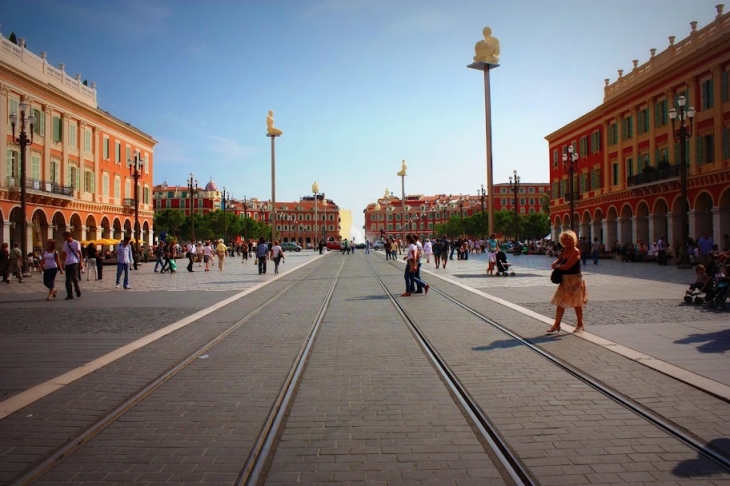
(627, 177)
(77, 177)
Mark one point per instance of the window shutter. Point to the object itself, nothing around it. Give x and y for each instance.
(56, 129)
(698, 153)
(724, 86)
(705, 99)
(711, 92)
(725, 143)
(657, 109)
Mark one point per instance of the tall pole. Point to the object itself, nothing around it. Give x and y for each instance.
(402, 174)
(315, 190)
(483, 194)
(23, 141)
(684, 115)
(225, 223)
(569, 161)
(324, 230)
(273, 189)
(135, 170)
(515, 186)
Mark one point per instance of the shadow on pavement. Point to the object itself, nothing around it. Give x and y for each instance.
(511, 343)
(370, 297)
(702, 466)
(714, 342)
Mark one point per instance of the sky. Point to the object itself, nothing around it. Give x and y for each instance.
(356, 85)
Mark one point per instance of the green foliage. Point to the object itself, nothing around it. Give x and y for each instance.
(12, 38)
(545, 203)
(534, 226)
(169, 220)
(530, 226)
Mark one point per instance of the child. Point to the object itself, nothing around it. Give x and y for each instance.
(702, 280)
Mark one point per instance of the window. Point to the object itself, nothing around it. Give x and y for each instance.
(40, 126)
(708, 95)
(725, 143)
(595, 179)
(55, 172)
(158, 204)
(596, 141)
(643, 121)
(677, 157)
(117, 188)
(35, 166)
(129, 152)
(13, 107)
(555, 158)
(72, 135)
(583, 146)
(582, 186)
(89, 182)
(167, 203)
(629, 167)
(503, 190)
(128, 189)
(522, 201)
(118, 148)
(532, 201)
(614, 173)
(57, 129)
(642, 162)
(555, 190)
(87, 140)
(532, 210)
(106, 148)
(105, 185)
(661, 113)
(705, 149)
(627, 128)
(531, 190)
(562, 188)
(724, 95)
(74, 177)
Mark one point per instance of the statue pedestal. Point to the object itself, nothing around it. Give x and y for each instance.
(482, 66)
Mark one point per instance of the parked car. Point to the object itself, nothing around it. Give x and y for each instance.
(333, 245)
(378, 245)
(360, 246)
(290, 246)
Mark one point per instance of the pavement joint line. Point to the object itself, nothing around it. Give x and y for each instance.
(706, 384)
(31, 395)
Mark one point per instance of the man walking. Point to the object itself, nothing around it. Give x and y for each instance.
(661, 251)
(124, 258)
(222, 250)
(595, 251)
(16, 262)
(367, 247)
(4, 262)
(72, 264)
(420, 284)
(262, 249)
(190, 253)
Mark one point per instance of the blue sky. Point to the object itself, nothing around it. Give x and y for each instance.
(356, 85)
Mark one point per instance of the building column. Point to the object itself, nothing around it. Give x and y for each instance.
(98, 148)
(64, 170)
(585, 229)
(3, 137)
(47, 141)
(98, 235)
(609, 232)
(693, 221)
(674, 230)
(720, 224)
(557, 229)
(84, 229)
(6, 232)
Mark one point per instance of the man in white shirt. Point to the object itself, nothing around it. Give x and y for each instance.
(124, 258)
(72, 263)
(190, 253)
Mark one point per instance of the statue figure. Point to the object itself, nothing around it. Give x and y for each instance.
(487, 50)
(270, 125)
(403, 169)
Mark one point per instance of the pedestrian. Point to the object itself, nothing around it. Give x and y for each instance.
(72, 264)
(445, 244)
(411, 266)
(572, 289)
(437, 251)
(421, 286)
(159, 250)
(50, 264)
(5, 262)
(428, 250)
(277, 254)
(453, 245)
(207, 254)
(244, 251)
(222, 250)
(491, 253)
(16, 262)
(124, 258)
(190, 254)
(199, 254)
(91, 256)
(262, 249)
(704, 245)
(661, 247)
(585, 249)
(595, 251)
(367, 247)
(170, 254)
(387, 247)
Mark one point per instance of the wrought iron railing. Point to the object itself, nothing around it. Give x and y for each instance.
(654, 175)
(128, 202)
(41, 186)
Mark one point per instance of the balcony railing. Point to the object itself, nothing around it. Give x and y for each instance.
(128, 202)
(42, 186)
(653, 176)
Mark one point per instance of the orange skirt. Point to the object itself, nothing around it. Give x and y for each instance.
(571, 292)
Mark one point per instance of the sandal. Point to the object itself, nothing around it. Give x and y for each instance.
(579, 329)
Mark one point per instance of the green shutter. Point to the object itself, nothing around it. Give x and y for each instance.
(657, 110)
(705, 99)
(725, 143)
(711, 92)
(724, 86)
(56, 129)
(698, 152)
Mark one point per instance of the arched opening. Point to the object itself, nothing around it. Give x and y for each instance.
(625, 233)
(585, 226)
(128, 229)
(557, 228)
(611, 226)
(58, 224)
(597, 227)
(105, 228)
(91, 228)
(75, 227)
(721, 221)
(675, 223)
(116, 233)
(39, 220)
(566, 223)
(2, 228)
(700, 217)
(641, 224)
(15, 226)
(658, 222)
(146, 232)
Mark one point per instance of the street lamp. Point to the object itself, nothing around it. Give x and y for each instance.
(135, 165)
(324, 228)
(315, 190)
(272, 133)
(23, 141)
(482, 193)
(570, 160)
(193, 191)
(402, 174)
(224, 203)
(514, 185)
(245, 218)
(684, 132)
(461, 216)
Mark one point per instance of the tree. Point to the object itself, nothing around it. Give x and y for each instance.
(12, 38)
(169, 220)
(504, 222)
(535, 226)
(545, 203)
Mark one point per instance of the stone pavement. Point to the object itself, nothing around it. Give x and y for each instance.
(638, 305)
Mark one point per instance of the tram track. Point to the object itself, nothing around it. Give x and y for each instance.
(665, 424)
(67, 448)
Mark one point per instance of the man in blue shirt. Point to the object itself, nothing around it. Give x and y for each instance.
(262, 250)
(124, 258)
(704, 246)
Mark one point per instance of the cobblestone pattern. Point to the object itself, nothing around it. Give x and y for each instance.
(29, 434)
(635, 312)
(200, 425)
(370, 406)
(583, 434)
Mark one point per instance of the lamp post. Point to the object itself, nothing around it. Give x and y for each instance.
(402, 174)
(135, 165)
(685, 116)
(23, 141)
(461, 216)
(224, 203)
(245, 218)
(193, 191)
(482, 193)
(315, 190)
(570, 160)
(324, 228)
(272, 133)
(514, 185)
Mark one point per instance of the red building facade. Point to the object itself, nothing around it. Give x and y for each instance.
(627, 177)
(531, 196)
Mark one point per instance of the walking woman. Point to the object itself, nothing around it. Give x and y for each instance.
(572, 289)
(50, 266)
(491, 253)
(277, 254)
(436, 247)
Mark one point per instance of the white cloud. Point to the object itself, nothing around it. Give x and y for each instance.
(170, 152)
(230, 150)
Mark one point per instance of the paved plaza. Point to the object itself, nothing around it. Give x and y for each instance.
(368, 407)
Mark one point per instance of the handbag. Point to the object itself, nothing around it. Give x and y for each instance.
(556, 277)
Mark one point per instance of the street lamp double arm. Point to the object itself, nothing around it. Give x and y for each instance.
(315, 190)
(514, 185)
(224, 202)
(192, 191)
(136, 165)
(23, 141)
(684, 116)
(570, 160)
(483, 193)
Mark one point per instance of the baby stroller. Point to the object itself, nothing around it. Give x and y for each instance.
(699, 294)
(504, 268)
(718, 299)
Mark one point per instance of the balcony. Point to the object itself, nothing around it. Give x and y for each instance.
(653, 175)
(128, 202)
(42, 187)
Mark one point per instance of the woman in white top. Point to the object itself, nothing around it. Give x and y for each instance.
(428, 250)
(50, 264)
(277, 254)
